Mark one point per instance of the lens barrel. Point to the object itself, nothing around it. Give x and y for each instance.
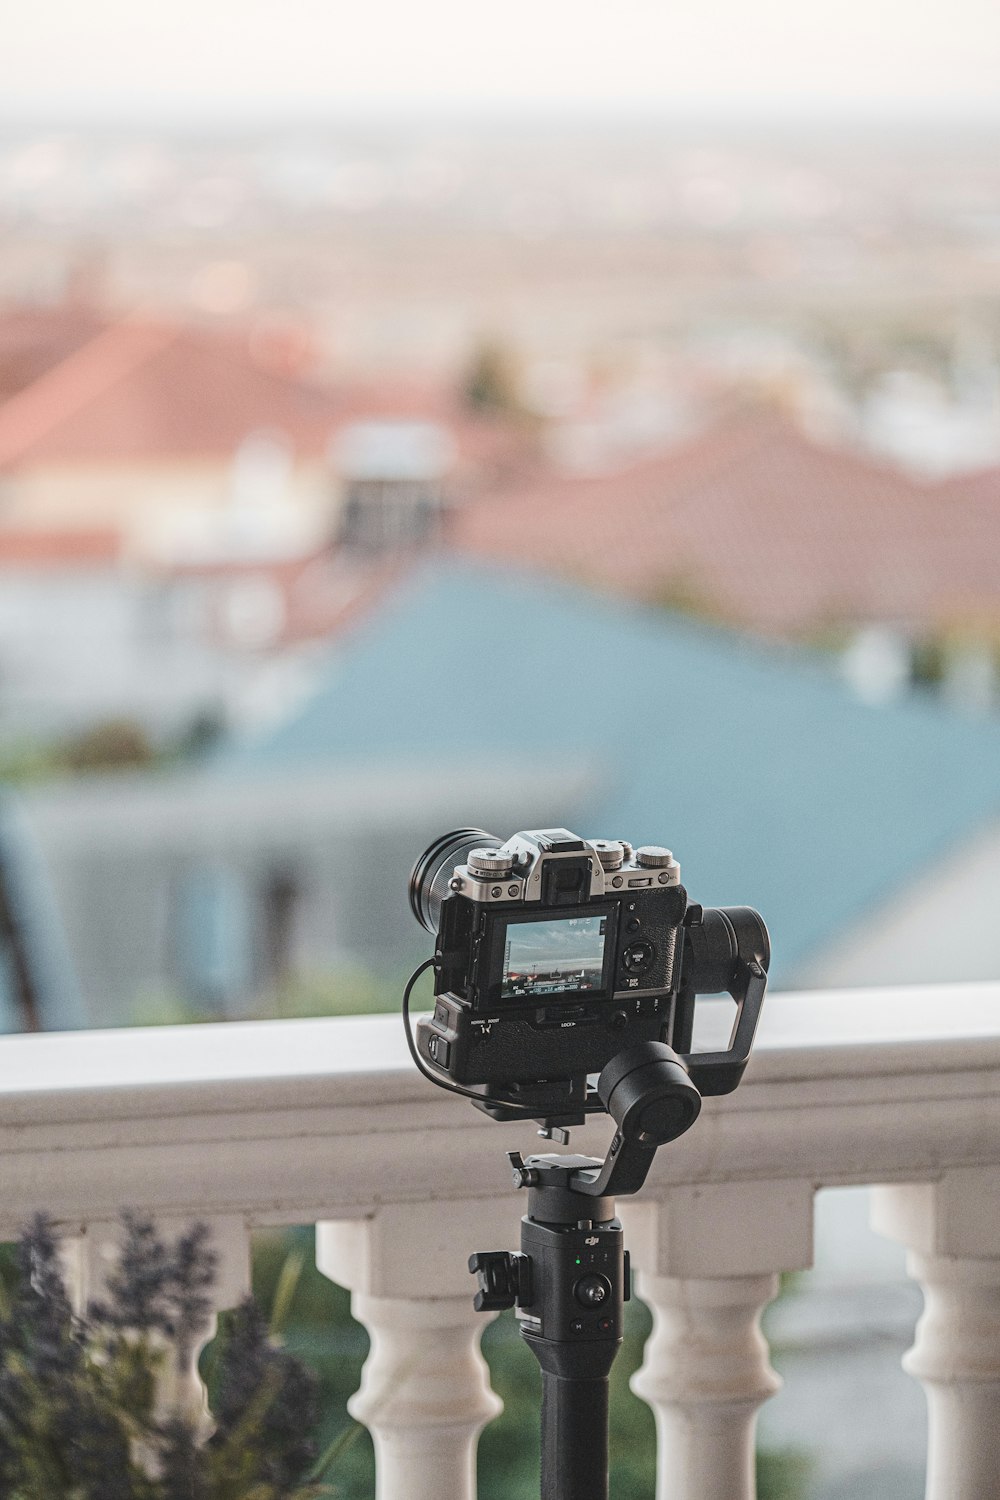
(429, 879)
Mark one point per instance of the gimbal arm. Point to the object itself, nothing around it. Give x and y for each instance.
(654, 1093)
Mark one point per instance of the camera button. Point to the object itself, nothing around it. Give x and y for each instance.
(440, 1050)
(638, 957)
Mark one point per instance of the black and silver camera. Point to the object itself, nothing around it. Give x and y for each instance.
(555, 953)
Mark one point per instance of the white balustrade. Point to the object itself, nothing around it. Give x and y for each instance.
(708, 1259)
(951, 1229)
(91, 1257)
(326, 1122)
(425, 1394)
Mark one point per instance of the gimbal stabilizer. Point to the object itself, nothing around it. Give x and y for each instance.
(556, 959)
(570, 1280)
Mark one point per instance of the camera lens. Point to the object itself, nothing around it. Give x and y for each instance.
(433, 870)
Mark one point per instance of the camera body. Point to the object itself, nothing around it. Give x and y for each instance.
(553, 953)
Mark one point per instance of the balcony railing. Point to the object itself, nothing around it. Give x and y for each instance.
(326, 1122)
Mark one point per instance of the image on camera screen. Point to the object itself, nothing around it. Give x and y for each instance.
(547, 958)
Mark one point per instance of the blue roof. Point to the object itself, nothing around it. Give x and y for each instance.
(773, 785)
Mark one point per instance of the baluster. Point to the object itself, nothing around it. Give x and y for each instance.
(425, 1394)
(705, 1374)
(90, 1260)
(952, 1232)
(708, 1261)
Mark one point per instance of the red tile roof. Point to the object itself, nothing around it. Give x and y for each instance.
(71, 548)
(761, 524)
(76, 388)
(144, 390)
(34, 339)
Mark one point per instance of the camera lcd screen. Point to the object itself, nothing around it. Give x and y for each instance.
(550, 957)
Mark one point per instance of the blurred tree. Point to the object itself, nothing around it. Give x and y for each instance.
(492, 382)
(81, 1399)
(113, 745)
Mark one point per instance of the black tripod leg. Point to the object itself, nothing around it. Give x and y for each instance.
(574, 1438)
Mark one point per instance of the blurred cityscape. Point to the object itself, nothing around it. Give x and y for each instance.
(259, 393)
(267, 398)
(366, 480)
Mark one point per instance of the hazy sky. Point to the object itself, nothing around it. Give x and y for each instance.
(261, 57)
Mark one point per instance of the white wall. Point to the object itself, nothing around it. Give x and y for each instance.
(943, 926)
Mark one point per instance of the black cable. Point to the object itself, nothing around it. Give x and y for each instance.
(526, 1112)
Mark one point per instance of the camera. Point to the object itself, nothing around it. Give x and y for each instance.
(555, 953)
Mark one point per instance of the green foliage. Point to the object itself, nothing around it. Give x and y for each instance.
(83, 1414)
(316, 1322)
(116, 745)
(492, 381)
(110, 745)
(783, 1474)
(78, 1399)
(316, 1325)
(346, 991)
(680, 593)
(930, 661)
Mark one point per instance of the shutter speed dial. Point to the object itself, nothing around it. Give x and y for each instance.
(495, 862)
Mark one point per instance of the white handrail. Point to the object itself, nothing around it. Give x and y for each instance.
(287, 1120)
(326, 1121)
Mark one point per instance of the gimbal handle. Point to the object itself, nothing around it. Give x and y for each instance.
(720, 1072)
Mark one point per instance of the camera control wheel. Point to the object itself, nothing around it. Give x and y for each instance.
(638, 957)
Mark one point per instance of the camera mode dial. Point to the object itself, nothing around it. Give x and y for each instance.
(654, 857)
(489, 862)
